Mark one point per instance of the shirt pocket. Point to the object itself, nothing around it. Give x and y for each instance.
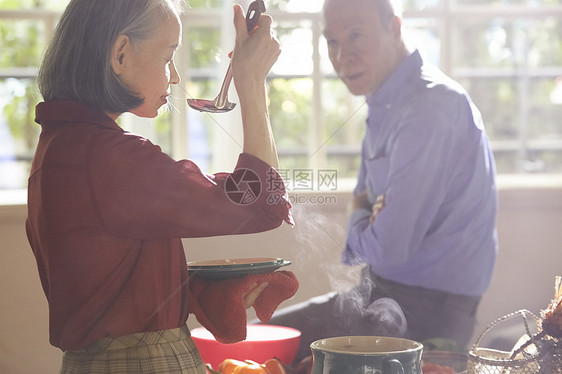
(376, 176)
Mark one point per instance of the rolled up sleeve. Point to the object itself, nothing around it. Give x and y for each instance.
(141, 192)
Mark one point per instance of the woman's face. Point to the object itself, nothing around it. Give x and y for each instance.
(148, 67)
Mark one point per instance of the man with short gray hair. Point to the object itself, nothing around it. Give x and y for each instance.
(424, 207)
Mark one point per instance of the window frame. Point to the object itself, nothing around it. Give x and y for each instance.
(445, 17)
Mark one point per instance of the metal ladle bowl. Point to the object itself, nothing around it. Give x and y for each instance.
(221, 104)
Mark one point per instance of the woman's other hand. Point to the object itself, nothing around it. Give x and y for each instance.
(255, 290)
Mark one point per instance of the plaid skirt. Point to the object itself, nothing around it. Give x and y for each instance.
(165, 351)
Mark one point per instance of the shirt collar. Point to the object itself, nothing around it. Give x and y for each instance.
(395, 82)
(57, 111)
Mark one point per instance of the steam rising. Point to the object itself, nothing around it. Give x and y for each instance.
(360, 308)
(320, 242)
(380, 316)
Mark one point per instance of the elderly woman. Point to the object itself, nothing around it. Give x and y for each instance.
(107, 208)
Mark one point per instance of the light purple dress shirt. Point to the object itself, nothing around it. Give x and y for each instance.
(427, 152)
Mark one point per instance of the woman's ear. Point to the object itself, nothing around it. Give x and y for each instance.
(119, 53)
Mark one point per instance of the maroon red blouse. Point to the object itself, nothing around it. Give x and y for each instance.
(106, 211)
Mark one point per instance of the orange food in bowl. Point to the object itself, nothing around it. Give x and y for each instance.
(262, 343)
(230, 366)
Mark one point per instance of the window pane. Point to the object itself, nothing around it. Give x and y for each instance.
(503, 42)
(204, 46)
(546, 161)
(503, 2)
(202, 88)
(298, 5)
(295, 39)
(290, 112)
(423, 34)
(545, 41)
(498, 102)
(545, 112)
(507, 162)
(491, 43)
(344, 119)
(535, 161)
(18, 131)
(13, 172)
(201, 128)
(31, 4)
(21, 43)
(409, 5)
(204, 79)
(344, 114)
(346, 163)
(291, 160)
(325, 65)
(205, 4)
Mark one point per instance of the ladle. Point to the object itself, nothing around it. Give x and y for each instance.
(221, 104)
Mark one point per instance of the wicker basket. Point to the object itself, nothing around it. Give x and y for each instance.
(489, 361)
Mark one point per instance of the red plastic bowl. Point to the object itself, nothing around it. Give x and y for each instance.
(262, 343)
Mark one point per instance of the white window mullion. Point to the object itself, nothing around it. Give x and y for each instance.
(316, 150)
(228, 134)
(523, 93)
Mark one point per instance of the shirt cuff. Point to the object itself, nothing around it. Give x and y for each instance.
(357, 216)
(356, 224)
(273, 193)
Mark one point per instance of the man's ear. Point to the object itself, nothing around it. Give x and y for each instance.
(119, 53)
(396, 26)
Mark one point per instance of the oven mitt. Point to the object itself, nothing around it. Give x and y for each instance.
(219, 305)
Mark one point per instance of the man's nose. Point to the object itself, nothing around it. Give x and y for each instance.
(344, 53)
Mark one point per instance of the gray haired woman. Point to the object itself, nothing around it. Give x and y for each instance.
(107, 209)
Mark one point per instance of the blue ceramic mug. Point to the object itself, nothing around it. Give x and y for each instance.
(366, 355)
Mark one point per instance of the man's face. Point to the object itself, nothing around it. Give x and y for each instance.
(361, 48)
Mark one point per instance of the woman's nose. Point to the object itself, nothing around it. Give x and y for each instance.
(174, 75)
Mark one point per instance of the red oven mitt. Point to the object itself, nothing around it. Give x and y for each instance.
(219, 305)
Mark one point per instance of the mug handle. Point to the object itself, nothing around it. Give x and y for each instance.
(393, 366)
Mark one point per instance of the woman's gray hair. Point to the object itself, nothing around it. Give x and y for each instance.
(77, 64)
